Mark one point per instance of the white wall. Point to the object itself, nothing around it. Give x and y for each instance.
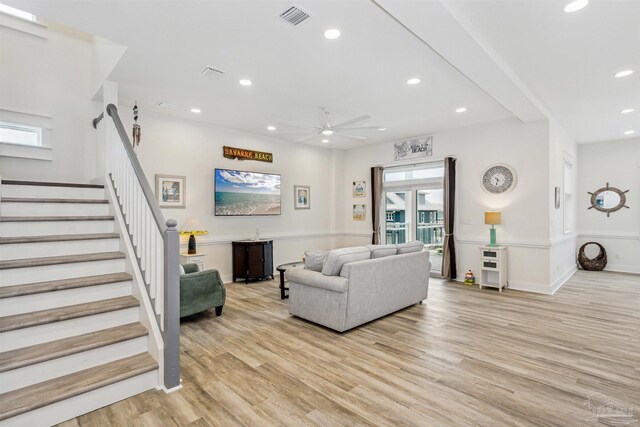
(50, 77)
(525, 210)
(562, 255)
(175, 146)
(618, 163)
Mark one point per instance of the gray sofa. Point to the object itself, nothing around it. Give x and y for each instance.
(363, 291)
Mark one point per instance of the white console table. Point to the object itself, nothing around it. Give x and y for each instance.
(493, 267)
(198, 259)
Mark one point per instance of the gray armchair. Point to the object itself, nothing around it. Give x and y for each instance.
(201, 290)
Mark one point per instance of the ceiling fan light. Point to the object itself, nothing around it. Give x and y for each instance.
(327, 132)
(576, 5)
(325, 141)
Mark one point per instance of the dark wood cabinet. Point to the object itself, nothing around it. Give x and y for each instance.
(252, 260)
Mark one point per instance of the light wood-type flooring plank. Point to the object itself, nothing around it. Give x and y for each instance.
(465, 357)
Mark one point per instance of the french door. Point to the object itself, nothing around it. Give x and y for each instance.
(414, 210)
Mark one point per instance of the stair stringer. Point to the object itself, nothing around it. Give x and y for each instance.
(139, 290)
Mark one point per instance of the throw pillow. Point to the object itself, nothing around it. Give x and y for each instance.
(339, 257)
(314, 260)
(181, 269)
(381, 251)
(409, 247)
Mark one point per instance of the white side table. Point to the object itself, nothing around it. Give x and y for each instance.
(186, 258)
(493, 267)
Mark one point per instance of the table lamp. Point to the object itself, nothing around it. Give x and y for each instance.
(192, 227)
(493, 219)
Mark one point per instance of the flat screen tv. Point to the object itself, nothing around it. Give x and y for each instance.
(240, 193)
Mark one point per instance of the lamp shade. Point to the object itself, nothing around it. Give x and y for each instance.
(192, 226)
(492, 218)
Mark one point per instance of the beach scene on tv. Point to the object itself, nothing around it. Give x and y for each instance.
(246, 193)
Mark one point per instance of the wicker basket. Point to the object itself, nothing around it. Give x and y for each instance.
(596, 264)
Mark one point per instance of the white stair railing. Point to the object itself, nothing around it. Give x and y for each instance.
(155, 241)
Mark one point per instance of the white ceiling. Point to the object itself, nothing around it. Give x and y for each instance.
(566, 61)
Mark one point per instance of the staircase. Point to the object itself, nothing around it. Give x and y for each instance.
(71, 337)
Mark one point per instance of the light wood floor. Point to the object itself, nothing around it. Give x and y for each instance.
(465, 357)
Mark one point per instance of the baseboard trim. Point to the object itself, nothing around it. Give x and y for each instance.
(563, 279)
(621, 268)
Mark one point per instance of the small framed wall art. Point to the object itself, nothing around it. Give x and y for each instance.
(359, 212)
(302, 197)
(171, 191)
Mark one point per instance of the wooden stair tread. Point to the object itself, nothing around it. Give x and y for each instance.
(55, 260)
(26, 320)
(43, 200)
(59, 285)
(45, 393)
(50, 184)
(57, 238)
(55, 218)
(55, 349)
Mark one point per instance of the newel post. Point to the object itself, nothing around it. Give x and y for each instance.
(171, 306)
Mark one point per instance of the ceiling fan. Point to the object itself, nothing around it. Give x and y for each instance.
(327, 128)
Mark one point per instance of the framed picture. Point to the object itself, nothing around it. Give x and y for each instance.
(171, 191)
(359, 188)
(557, 204)
(301, 197)
(359, 212)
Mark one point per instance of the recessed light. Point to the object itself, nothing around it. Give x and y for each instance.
(196, 110)
(382, 129)
(332, 34)
(627, 111)
(413, 81)
(327, 132)
(271, 128)
(630, 132)
(623, 73)
(461, 109)
(325, 141)
(576, 5)
(245, 82)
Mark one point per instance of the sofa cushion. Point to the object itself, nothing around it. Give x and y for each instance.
(381, 251)
(339, 257)
(409, 247)
(314, 260)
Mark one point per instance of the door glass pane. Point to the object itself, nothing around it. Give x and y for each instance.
(397, 219)
(430, 226)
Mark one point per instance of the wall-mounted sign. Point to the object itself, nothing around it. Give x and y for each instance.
(413, 148)
(244, 154)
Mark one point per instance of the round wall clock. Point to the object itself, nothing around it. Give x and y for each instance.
(498, 179)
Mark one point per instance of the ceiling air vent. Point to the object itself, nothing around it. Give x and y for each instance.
(212, 72)
(294, 15)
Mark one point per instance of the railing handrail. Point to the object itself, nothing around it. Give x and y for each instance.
(158, 217)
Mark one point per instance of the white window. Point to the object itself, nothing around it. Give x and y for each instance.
(568, 207)
(14, 133)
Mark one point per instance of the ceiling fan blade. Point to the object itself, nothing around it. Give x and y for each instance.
(352, 136)
(358, 128)
(297, 125)
(352, 121)
(306, 137)
(291, 131)
(323, 118)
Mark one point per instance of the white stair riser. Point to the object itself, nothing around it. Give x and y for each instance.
(46, 228)
(20, 276)
(84, 403)
(67, 328)
(53, 209)
(48, 300)
(34, 191)
(33, 374)
(46, 249)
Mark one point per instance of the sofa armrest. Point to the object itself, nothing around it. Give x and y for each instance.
(317, 280)
(190, 268)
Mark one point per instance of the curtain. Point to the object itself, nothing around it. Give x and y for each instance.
(449, 250)
(376, 200)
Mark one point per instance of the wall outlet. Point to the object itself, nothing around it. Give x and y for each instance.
(466, 221)
(616, 256)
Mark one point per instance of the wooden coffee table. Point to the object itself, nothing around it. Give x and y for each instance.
(281, 269)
